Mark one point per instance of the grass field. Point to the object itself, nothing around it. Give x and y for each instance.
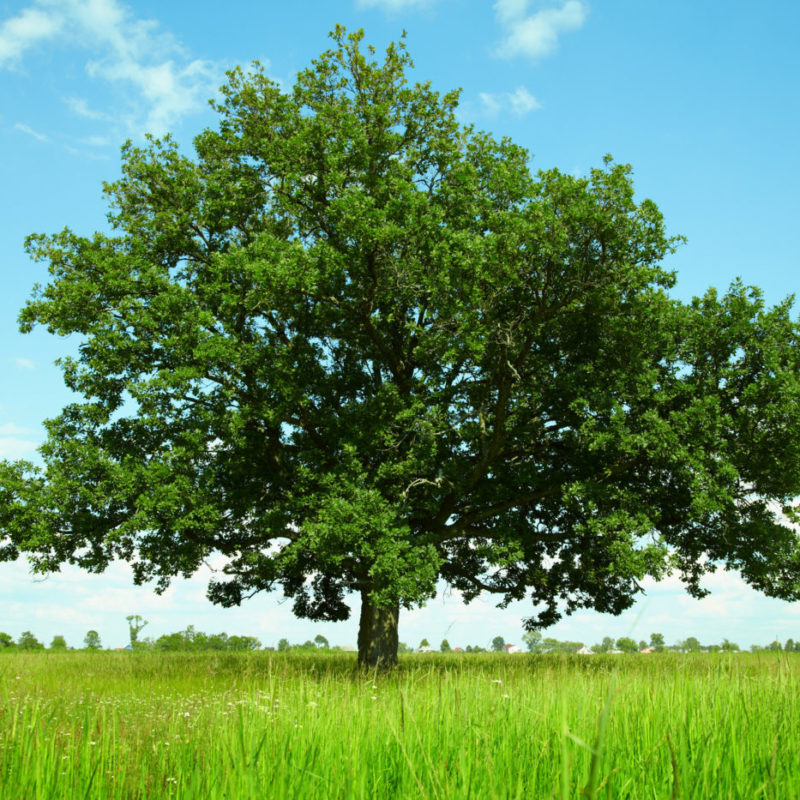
(274, 725)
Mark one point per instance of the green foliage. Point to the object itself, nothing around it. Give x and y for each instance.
(657, 642)
(627, 645)
(321, 641)
(58, 643)
(6, 641)
(283, 645)
(424, 643)
(498, 643)
(533, 641)
(193, 640)
(352, 340)
(550, 645)
(444, 647)
(27, 641)
(92, 641)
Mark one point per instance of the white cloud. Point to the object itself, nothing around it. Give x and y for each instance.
(491, 102)
(80, 108)
(96, 141)
(42, 138)
(26, 363)
(519, 102)
(393, 5)
(536, 35)
(16, 442)
(10, 429)
(12, 448)
(147, 66)
(522, 101)
(20, 33)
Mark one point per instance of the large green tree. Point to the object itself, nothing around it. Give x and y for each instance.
(356, 347)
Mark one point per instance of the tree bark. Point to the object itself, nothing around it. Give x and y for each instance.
(377, 634)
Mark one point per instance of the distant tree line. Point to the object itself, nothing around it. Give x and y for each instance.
(194, 640)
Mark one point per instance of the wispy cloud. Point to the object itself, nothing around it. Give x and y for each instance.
(96, 141)
(535, 35)
(27, 29)
(519, 102)
(79, 107)
(394, 5)
(157, 79)
(12, 447)
(25, 363)
(31, 132)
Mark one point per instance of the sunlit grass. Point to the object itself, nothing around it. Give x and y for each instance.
(272, 725)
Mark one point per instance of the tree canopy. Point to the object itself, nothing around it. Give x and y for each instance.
(355, 346)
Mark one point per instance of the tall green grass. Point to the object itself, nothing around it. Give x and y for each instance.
(120, 725)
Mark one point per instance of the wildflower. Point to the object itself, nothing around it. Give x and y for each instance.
(496, 680)
(374, 697)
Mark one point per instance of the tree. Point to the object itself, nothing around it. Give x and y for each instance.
(6, 640)
(135, 625)
(606, 645)
(283, 645)
(444, 647)
(627, 645)
(355, 347)
(58, 643)
(498, 643)
(246, 643)
(27, 641)
(729, 647)
(92, 640)
(657, 642)
(424, 643)
(690, 645)
(533, 640)
(789, 646)
(321, 641)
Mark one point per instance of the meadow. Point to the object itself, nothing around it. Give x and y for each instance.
(274, 725)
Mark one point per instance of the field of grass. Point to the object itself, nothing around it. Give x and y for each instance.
(274, 725)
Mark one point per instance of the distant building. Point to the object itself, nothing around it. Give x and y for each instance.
(584, 651)
(347, 648)
(512, 648)
(648, 650)
(424, 650)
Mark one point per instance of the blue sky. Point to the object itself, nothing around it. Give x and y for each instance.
(700, 97)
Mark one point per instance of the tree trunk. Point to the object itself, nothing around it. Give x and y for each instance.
(377, 634)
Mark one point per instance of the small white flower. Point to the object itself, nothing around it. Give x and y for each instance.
(496, 680)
